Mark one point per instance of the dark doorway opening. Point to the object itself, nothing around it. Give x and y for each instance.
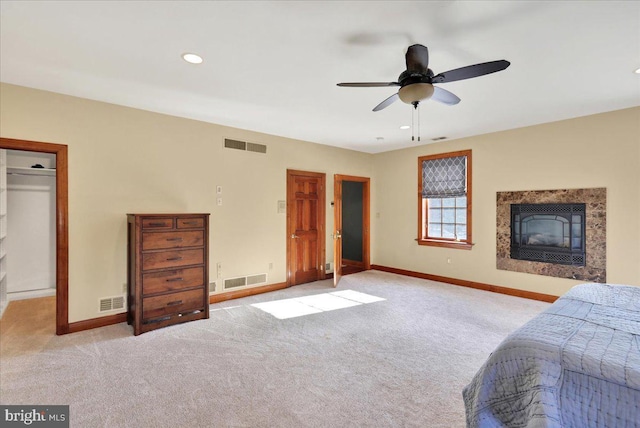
(352, 227)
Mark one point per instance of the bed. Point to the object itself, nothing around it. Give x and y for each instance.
(577, 364)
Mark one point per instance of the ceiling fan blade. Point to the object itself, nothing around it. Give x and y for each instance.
(386, 102)
(445, 97)
(368, 84)
(417, 58)
(471, 71)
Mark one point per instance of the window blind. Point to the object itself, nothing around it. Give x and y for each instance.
(444, 177)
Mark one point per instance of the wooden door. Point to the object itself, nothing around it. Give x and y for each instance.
(337, 231)
(305, 226)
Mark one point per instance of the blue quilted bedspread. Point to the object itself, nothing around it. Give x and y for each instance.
(577, 364)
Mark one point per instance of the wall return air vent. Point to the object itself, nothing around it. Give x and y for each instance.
(243, 145)
(245, 280)
(111, 303)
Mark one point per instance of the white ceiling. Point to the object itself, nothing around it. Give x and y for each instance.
(273, 66)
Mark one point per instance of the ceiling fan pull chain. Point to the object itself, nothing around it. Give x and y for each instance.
(413, 129)
(418, 113)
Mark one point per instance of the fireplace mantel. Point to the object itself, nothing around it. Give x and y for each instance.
(595, 200)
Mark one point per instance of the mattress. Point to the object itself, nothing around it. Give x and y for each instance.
(577, 364)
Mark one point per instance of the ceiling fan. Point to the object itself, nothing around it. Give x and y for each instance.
(416, 82)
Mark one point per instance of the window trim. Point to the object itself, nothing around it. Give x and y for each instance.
(423, 211)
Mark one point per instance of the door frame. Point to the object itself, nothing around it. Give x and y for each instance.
(62, 221)
(321, 221)
(366, 215)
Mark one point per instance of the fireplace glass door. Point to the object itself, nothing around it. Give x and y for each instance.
(551, 233)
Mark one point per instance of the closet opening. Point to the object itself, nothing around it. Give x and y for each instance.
(34, 227)
(30, 247)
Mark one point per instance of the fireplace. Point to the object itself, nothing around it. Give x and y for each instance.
(549, 233)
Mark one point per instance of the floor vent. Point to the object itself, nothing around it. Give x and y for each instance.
(242, 145)
(111, 303)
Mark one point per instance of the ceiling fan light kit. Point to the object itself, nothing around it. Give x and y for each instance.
(414, 93)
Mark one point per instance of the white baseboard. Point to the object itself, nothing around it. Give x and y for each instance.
(31, 294)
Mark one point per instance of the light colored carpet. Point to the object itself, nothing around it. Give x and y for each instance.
(398, 362)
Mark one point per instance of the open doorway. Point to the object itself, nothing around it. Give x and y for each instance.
(30, 235)
(351, 205)
(59, 151)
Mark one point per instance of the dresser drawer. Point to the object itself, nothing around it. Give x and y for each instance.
(189, 223)
(173, 303)
(161, 240)
(157, 223)
(172, 280)
(174, 258)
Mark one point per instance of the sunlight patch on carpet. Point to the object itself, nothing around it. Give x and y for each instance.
(307, 305)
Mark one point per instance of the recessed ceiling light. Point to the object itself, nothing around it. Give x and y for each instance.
(192, 58)
(637, 71)
(405, 127)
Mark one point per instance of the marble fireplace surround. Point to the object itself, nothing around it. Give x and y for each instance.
(595, 269)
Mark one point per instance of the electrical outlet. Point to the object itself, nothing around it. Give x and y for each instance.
(124, 288)
(219, 270)
(448, 260)
(271, 266)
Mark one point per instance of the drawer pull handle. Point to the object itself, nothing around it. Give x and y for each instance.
(177, 302)
(174, 259)
(190, 223)
(174, 239)
(157, 224)
(174, 279)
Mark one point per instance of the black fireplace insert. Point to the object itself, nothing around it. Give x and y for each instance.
(549, 233)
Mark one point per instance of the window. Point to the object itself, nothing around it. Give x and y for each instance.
(444, 200)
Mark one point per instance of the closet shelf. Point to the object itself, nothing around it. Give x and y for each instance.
(20, 170)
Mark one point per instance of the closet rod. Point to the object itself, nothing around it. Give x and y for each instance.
(30, 175)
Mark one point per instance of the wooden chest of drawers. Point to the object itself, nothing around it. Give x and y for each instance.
(167, 269)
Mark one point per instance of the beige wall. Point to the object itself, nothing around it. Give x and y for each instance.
(594, 151)
(123, 160)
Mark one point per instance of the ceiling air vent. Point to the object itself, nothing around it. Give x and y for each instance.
(242, 145)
